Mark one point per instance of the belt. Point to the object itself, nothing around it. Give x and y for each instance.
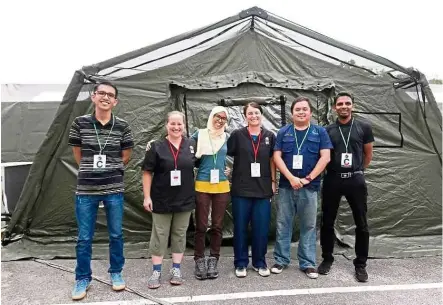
(348, 174)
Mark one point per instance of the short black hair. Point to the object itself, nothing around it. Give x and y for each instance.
(301, 99)
(343, 93)
(253, 105)
(105, 83)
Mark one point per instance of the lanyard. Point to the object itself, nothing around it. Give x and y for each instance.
(349, 135)
(175, 155)
(303, 141)
(254, 148)
(214, 156)
(106, 142)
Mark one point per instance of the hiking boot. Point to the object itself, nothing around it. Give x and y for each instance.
(80, 288)
(361, 274)
(200, 269)
(212, 268)
(176, 277)
(241, 272)
(311, 273)
(154, 280)
(117, 281)
(324, 267)
(263, 271)
(277, 268)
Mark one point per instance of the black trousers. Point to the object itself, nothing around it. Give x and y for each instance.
(355, 191)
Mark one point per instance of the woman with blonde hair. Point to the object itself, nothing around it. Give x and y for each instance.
(168, 188)
(212, 191)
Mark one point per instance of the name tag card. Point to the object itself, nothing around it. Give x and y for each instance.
(176, 178)
(99, 161)
(215, 176)
(297, 162)
(346, 160)
(255, 169)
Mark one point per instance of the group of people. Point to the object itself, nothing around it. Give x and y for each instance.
(301, 151)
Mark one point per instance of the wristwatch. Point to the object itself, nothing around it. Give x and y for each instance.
(308, 178)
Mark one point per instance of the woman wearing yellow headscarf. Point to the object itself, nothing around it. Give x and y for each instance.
(212, 191)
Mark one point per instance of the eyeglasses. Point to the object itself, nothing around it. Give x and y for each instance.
(220, 118)
(104, 93)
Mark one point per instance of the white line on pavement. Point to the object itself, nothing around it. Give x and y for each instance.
(271, 293)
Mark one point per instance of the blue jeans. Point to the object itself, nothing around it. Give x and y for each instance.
(304, 203)
(256, 211)
(86, 207)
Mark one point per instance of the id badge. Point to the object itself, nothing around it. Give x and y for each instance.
(215, 176)
(346, 160)
(255, 169)
(176, 178)
(99, 161)
(297, 161)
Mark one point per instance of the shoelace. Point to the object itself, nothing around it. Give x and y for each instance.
(201, 264)
(155, 274)
(82, 284)
(212, 263)
(117, 277)
(176, 272)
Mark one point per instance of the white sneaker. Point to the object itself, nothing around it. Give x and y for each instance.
(241, 272)
(263, 271)
(311, 273)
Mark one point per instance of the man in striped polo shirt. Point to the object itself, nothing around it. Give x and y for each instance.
(102, 144)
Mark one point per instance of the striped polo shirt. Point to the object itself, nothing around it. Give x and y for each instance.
(116, 134)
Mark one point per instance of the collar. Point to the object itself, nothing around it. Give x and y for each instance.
(94, 119)
(347, 124)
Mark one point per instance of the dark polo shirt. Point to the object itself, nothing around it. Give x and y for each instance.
(240, 147)
(361, 134)
(108, 180)
(160, 161)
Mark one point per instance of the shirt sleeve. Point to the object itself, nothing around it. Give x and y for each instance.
(74, 134)
(279, 140)
(325, 141)
(150, 158)
(368, 137)
(232, 144)
(127, 140)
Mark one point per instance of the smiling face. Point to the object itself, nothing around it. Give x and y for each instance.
(343, 107)
(104, 98)
(301, 113)
(253, 116)
(175, 125)
(219, 120)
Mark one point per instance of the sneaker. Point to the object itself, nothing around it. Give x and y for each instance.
(277, 268)
(324, 267)
(176, 277)
(241, 272)
(361, 274)
(200, 269)
(212, 268)
(311, 273)
(154, 280)
(263, 271)
(117, 281)
(80, 288)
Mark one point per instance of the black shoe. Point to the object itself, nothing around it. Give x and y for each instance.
(277, 268)
(200, 269)
(361, 274)
(212, 268)
(324, 267)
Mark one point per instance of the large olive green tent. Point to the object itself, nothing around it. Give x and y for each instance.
(258, 56)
